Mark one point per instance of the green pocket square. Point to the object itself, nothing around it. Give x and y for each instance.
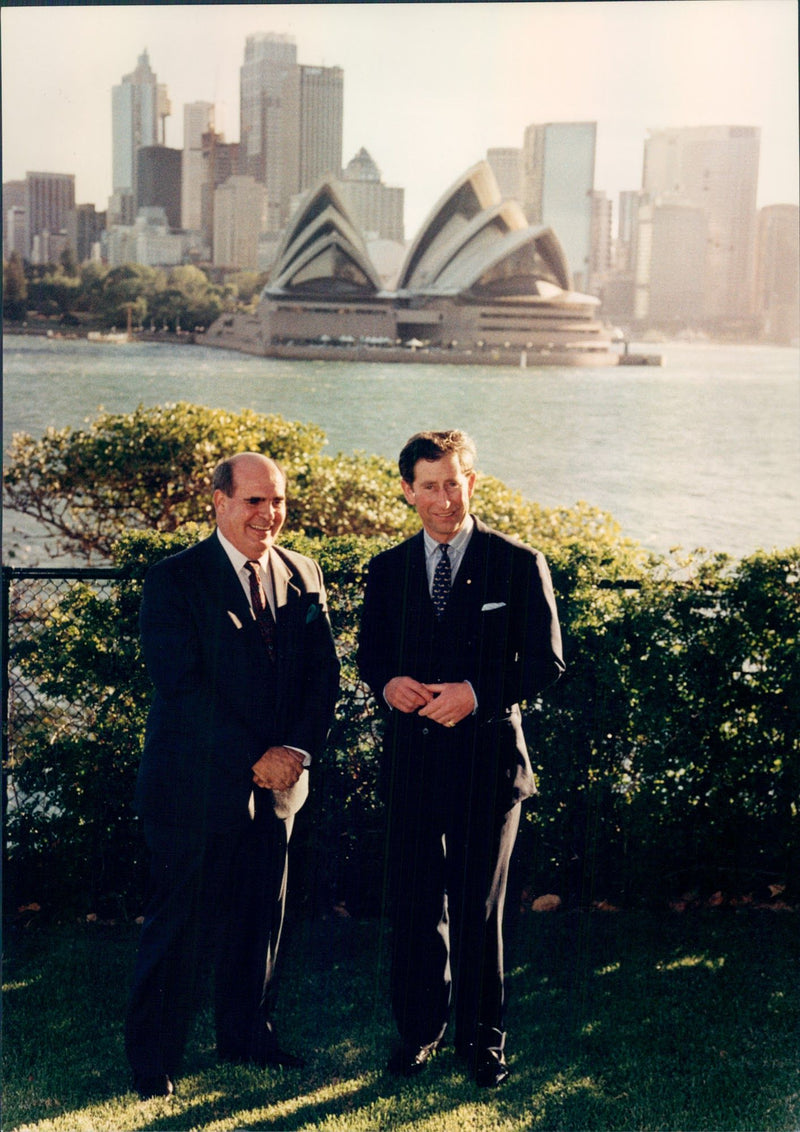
(312, 614)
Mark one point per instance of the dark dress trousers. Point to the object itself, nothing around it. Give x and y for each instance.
(453, 794)
(218, 844)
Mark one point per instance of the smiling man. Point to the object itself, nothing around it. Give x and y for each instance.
(238, 645)
(459, 625)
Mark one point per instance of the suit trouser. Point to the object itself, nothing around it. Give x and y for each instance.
(214, 898)
(449, 869)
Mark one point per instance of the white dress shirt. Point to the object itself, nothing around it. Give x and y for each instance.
(239, 562)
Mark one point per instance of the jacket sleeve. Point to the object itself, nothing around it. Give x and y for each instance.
(540, 649)
(514, 649)
(375, 652)
(313, 700)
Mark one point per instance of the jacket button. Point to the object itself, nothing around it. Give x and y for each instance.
(424, 730)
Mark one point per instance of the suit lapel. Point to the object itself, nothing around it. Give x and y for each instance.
(281, 579)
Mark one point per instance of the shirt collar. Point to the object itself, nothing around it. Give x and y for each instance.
(237, 559)
(457, 543)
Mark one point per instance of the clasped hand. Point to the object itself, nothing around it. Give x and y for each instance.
(278, 768)
(446, 704)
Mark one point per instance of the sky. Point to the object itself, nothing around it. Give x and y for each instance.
(428, 87)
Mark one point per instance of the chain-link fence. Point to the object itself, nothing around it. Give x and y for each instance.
(30, 598)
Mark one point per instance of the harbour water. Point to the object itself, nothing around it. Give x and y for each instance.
(704, 452)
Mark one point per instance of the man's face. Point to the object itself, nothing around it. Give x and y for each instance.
(252, 517)
(441, 493)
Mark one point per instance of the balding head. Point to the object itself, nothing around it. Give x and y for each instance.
(249, 501)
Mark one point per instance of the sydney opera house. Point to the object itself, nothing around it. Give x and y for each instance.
(478, 285)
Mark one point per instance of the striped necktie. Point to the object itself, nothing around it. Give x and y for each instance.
(263, 614)
(442, 580)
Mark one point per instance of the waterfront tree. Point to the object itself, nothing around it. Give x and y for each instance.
(151, 469)
(15, 288)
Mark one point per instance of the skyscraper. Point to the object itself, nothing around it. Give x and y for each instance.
(137, 104)
(506, 163)
(714, 168)
(291, 122)
(269, 59)
(377, 208)
(600, 261)
(239, 207)
(777, 271)
(198, 119)
(320, 124)
(15, 219)
(85, 227)
(158, 181)
(558, 181)
(49, 197)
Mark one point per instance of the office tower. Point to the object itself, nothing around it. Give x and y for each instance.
(506, 165)
(49, 197)
(626, 229)
(269, 59)
(600, 259)
(558, 180)
(319, 124)
(198, 119)
(239, 218)
(15, 228)
(85, 227)
(377, 208)
(137, 104)
(221, 160)
(714, 168)
(777, 270)
(670, 263)
(158, 181)
(291, 122)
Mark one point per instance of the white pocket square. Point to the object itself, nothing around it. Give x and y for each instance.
(235, 619)
(492, 605)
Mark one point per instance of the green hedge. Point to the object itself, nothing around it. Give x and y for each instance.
(667, 754)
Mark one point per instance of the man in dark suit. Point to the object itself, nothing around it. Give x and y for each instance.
(459, 625)
(238, 645)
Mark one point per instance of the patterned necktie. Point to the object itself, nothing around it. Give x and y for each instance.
(441, 580)
(261, 609)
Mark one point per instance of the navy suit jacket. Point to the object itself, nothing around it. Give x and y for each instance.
(219, 703)
(500, 632)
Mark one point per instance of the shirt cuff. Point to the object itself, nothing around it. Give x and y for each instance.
(304, 754)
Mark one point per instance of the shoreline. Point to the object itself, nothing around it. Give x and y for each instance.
(370, 353)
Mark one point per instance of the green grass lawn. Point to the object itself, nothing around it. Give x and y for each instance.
(616, 1021)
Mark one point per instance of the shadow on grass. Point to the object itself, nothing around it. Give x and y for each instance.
(628, 1021)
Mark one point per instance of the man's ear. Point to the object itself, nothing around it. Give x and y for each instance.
(408, 492)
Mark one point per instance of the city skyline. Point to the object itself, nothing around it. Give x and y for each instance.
(423, 113)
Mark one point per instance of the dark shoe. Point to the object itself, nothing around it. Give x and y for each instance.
(158, 1086)
(408, 1061)
(490, 1069)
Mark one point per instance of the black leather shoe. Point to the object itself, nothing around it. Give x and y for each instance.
(408, 1061)
(490, 1069)
(157, 1086)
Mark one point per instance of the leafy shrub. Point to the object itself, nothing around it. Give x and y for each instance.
(667, 754)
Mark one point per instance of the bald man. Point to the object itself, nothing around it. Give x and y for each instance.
(238, 645)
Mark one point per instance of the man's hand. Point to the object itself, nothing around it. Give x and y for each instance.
(407, 695)
(450, 703)
(278, 768)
